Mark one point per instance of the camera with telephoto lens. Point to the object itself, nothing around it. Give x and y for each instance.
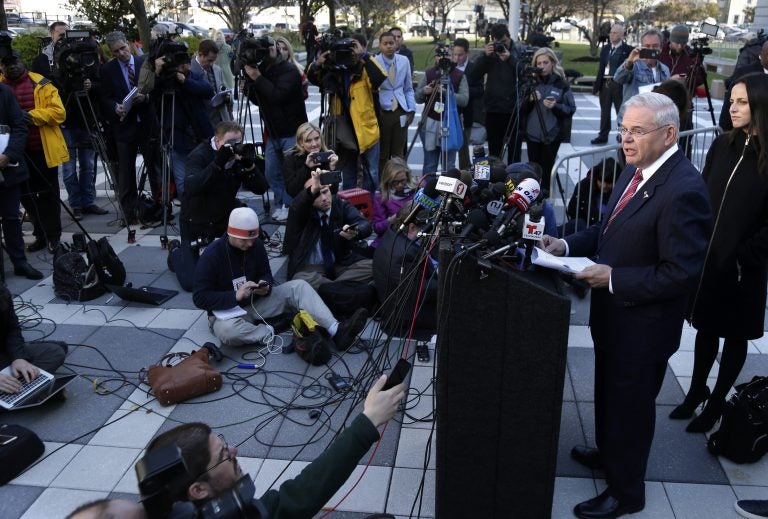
(499, 47)
(162, 470)
(75, 59)
(252, 51)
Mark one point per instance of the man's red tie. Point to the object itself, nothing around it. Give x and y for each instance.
(626, 197)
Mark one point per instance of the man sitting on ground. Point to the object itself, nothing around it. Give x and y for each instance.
(319, 237)
(233, 276)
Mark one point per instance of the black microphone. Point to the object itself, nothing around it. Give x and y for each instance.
(519, 202)
(426, 198)
(475, 219)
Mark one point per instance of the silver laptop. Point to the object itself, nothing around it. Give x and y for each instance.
(34, 392)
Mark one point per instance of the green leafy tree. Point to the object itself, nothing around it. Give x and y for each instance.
(109, 14)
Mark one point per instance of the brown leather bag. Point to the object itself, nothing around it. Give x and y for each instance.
(191, 377)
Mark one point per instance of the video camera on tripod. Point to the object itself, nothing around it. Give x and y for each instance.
(252, 51)
(444, 63)
(173, 53)
(161, 471)
(75, 59)
(341, 47)
(700, 46)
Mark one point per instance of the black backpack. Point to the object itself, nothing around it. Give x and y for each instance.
(109, 268)
(73, 279)
(18, 450)
(743, 433)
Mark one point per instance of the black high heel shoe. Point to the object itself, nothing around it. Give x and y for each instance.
(708, 417)
(692, 400)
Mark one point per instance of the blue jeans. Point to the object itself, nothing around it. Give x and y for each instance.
(179, 166)
(349, 171)
(81, 189)
(274, 168)
(432, 158)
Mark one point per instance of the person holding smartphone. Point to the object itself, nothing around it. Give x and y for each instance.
(310, 152)
(322, 235)
(545, 111)
(642, 70)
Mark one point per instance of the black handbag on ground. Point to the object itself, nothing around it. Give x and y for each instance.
(19, 448)
(743, 433)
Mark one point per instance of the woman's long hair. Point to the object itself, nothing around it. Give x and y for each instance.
(301, 135)
(394, 166)
(546, 51)
(757, 96)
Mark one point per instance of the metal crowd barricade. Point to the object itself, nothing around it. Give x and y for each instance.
(571, 169)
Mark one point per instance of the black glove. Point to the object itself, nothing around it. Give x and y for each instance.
(224, 155)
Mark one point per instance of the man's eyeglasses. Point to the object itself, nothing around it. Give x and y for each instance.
(638, 132)
(225, 454)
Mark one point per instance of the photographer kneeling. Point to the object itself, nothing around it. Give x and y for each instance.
(215, 171)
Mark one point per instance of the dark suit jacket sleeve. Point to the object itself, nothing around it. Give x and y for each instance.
(683, 228)
(601, 68)
(196, 85)
(14, 342)
(13, 117)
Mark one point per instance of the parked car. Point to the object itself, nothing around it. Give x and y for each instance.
(26, 19)
(738, 36)
(16, 30)
(13, 18)
(461, 26)
(260, 29)
(169, 27)
(192, 30)
(422, 30)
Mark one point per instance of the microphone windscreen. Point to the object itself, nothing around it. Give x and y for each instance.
(453, 173)
(430, 188)
(466, 178)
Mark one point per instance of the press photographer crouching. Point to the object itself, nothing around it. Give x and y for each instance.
(215, 172)
(189, 471)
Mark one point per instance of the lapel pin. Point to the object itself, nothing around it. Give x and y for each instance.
(645, 194)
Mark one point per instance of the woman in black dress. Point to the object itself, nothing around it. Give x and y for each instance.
(730, 299)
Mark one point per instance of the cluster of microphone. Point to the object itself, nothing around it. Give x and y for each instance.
(486, 217)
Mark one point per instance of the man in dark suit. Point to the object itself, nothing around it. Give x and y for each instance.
(758, 66)
(650, 252)
(132, 129)
(611, 93)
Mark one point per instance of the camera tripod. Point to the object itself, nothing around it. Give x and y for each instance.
(166, 157)
(245, 120)
(698, 66)
(442, 93)
(96, 134)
